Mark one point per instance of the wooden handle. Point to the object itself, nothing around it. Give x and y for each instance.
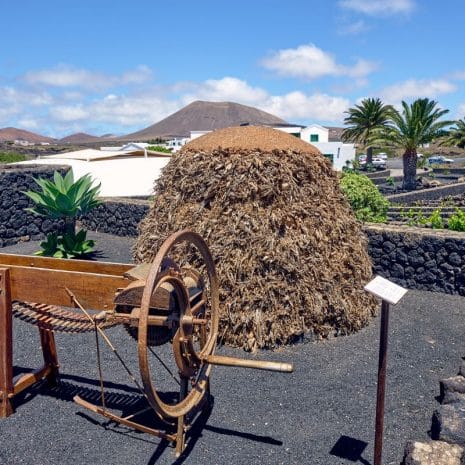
(256, 364)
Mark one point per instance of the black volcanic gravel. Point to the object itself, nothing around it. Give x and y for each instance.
(258, 417)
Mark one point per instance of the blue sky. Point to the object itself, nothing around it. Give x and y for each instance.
(118, 66)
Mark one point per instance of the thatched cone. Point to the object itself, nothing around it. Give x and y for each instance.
(290, 255)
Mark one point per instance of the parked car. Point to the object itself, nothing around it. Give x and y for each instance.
(377, 162)
(439, 159)
(382, 155)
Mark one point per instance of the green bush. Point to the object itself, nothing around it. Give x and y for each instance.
(158, 148)
(457, 221)
(10, 157)
(364, 198)
(436, 220)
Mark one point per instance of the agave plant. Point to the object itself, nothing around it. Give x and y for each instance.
(69, 245)
(64, 198)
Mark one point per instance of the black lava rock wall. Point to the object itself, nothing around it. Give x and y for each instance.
(418, 258)
(119, 217)
(15, 223)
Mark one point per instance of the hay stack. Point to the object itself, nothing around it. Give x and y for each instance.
(290, 255)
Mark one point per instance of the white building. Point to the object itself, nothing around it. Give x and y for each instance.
(336, 151)
(121, 173)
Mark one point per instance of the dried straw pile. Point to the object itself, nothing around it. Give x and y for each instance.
(290, 255)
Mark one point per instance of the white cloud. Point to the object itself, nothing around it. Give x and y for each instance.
(414, 88)
(29, 123)
(379, 7)
(65, 76)
(354, 28)
(225, 89)
(458, 75)
(67, 109)
(310, 62)
(302, 107)
(290, 106)
(69, 113)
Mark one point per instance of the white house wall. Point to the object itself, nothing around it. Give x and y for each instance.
(323, 133)
(124, 177)
(341, 152)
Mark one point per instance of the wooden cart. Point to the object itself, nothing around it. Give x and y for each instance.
(158, 303)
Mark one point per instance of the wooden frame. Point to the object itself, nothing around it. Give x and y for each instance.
(44, 280)
(102, 286)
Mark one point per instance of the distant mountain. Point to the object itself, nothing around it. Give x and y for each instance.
(11, 134)
(108, 136)
(204, 116)
(79, 137)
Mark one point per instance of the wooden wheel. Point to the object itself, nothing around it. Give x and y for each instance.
(195, 323)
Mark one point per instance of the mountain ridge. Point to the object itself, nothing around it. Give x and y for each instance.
(204, 116)
(12, 134)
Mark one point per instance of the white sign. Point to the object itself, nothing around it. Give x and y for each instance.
(385, 289)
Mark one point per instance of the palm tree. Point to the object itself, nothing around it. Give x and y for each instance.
(456, 135)
(417, 124)
(365, 121)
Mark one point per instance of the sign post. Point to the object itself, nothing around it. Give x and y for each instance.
(389, 293)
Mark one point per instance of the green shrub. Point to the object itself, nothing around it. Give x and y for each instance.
(436, 220)
(364, 198)
(457, 221)
(10, 157)
(390, 181)
(158, 148)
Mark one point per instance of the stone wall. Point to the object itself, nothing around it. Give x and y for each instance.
(433, 193)
(419, 258)
(15, 223)
(119, 217)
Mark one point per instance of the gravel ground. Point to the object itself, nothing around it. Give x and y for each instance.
(258, 417)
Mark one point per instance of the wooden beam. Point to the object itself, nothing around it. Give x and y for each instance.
(85, 266)
(29, 379)
(6, 345)
(47, 286)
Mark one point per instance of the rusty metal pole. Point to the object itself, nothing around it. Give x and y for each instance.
(380, 396)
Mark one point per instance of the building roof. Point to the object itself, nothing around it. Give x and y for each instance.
(93, 154)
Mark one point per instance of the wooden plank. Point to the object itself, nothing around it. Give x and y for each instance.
(29, 379)
(86, 266)
(94, 291)
(6, 345)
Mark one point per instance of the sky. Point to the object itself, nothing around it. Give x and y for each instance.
(118, 66)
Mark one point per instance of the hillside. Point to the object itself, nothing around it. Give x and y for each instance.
(79, 138)
(11, 134)
(204, 116)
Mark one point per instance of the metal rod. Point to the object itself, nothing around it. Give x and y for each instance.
(256, 364)
(99, 365)
(164, 365)
(380, 395)
(105, 338)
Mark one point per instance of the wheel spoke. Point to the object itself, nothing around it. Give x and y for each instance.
(164, 365)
